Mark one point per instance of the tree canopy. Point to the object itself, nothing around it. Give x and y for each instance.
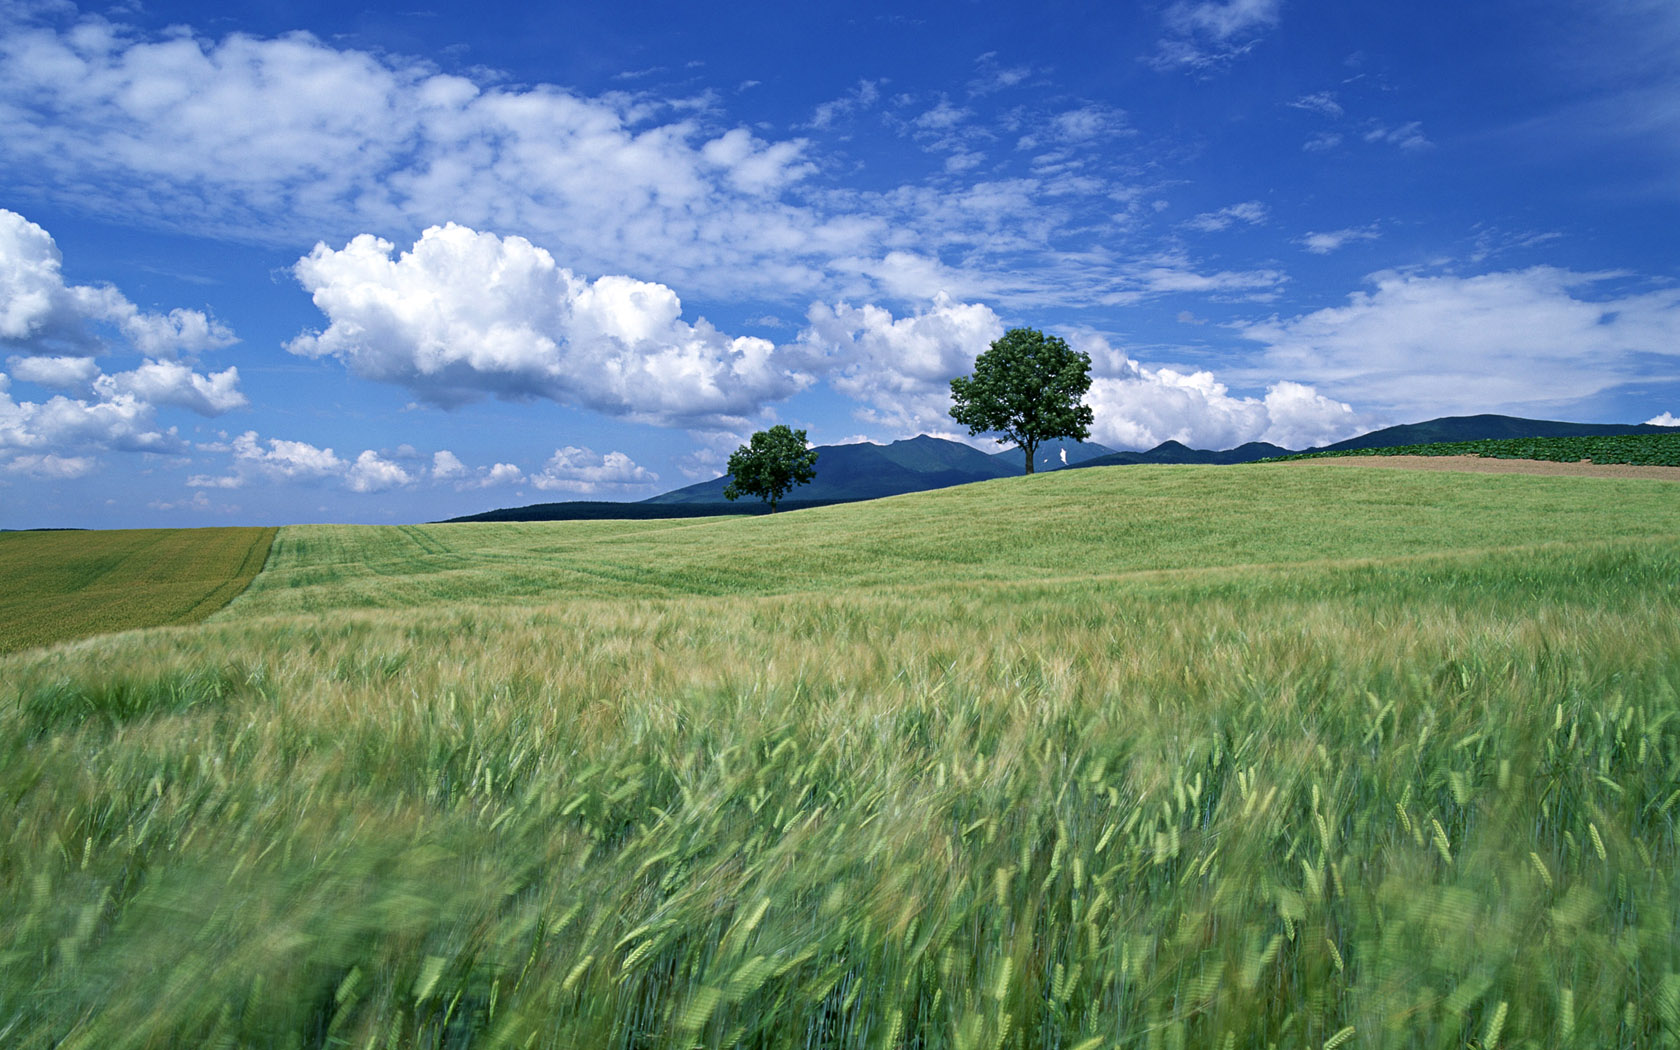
(770, 465)
(1026, 387)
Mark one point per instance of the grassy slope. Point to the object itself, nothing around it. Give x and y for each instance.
(56, 586)
(1114, 521)
(939, 788)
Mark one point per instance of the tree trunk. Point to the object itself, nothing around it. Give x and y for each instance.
(1031, 451)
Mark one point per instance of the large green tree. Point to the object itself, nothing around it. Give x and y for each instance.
(1027, 387)
(770, 465)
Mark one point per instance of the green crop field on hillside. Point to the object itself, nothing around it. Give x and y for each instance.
(55, 586)
(1662, 450)
(1271, 756)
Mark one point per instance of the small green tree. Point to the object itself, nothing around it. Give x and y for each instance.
(770, 465)
(1027, 387)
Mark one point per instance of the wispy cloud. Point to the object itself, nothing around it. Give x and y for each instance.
(292, 140)
(992, 76)
(1516, 340)
(1319, 102)
(1331, 240)
(1408, 136)
(860, 98)
(1211, 32)
(1249, 212)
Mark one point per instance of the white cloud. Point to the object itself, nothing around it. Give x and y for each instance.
(290, 137)
(56, 373)
(179, 331)
(1207, 33)
(994, 78)
(1222, 21)
(1515, 340)
(574, 469)
(60, 328)
(862, 97)
(1070, 130)
(1138, 407)
(200, 501)
(292, 140)
(1251, 212)
(1168, 277)
(49, 467)
(1323, 142)
(943, 117)
(40, 314)
(508, 474)
(173, 383)
(210, 481)
(370, 473)
(709, 453)
(1320, 102)
(1086, 122)
(62, 425)
(899, 369)
(1406, 136)
(1325, 243)
(1667, 419)
(447, 466)
(465, 314)
(284, 459)
(280, 459)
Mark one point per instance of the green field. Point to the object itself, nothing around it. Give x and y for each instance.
(1662, 450)
(56, 586)
(1267, 756)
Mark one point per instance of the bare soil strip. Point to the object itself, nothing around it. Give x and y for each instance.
(1488, 465)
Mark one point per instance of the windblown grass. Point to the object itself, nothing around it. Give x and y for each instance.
(56, 586)
(1286, 784)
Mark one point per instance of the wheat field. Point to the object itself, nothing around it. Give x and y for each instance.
(1275, 756)
(55, 586)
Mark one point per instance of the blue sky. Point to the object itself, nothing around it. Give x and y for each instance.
(268, 263)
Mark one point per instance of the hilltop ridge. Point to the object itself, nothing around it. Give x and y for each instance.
(863, 470)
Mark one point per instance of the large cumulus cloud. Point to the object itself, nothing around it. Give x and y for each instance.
(464, 314)
(899, 369)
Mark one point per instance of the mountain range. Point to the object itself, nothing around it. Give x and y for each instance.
(867, 471)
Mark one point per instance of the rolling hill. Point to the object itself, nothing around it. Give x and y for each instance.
(846, 473)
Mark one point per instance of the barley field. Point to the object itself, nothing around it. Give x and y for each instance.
(1270, 756)
(55, 586)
